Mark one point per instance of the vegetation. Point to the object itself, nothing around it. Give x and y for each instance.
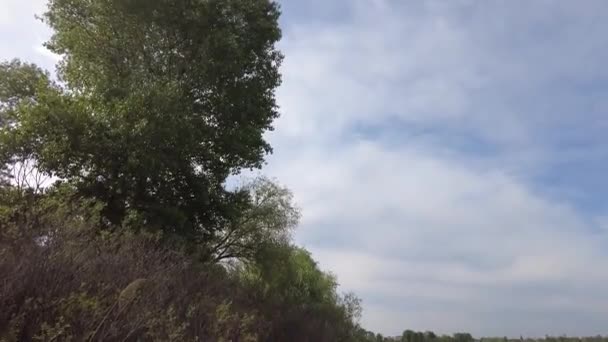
(116, 223)
(71, 278)
(115, 219)
(429, 336)
(158, 103)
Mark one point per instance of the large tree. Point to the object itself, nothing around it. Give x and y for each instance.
(157, 102)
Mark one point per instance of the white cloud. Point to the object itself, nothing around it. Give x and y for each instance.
(22, 35)
(403, 224)
(433, 235)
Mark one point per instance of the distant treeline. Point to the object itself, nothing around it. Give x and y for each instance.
(429, 336)
(547, 339)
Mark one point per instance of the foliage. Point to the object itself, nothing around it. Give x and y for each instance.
(159, 102)
(63, 284)
(267, 218)
(155, 105)
(300, 299)
(63, 281)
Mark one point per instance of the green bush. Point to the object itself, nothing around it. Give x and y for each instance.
(67, 277)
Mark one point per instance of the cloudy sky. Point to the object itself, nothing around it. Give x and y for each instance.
(448, 156)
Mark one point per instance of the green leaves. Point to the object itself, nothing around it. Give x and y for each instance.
(161, 102)
(157, 103)
(265, 216)
(20, 83)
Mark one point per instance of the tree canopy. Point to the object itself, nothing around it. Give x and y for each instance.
(121, 162)
(156, 104)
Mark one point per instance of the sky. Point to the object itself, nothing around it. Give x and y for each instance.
(448, 156)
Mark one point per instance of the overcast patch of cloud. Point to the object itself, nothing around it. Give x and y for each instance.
(413, 137)
(481, 70)
(437, 236)
(22, 35)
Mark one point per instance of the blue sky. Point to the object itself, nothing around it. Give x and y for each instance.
(448, 156)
